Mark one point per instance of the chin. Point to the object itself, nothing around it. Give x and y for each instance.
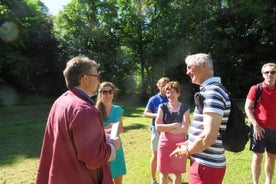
(93, 93)
(194, 81)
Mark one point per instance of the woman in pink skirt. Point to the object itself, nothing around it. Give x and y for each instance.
(173, 120)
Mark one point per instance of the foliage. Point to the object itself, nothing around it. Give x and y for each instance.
(27, 48)
(151, 38)
(137, 41)
(82, 30)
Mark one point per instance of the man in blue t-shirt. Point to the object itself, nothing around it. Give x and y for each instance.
(151, 112)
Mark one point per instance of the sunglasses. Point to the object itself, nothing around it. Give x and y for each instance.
(104, 92)
(271, 72)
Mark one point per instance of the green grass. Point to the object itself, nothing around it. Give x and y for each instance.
(21, 133)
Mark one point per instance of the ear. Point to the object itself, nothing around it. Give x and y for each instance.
(205, 65)
(84, 79)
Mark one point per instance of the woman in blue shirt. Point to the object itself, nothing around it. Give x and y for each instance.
(112, 114)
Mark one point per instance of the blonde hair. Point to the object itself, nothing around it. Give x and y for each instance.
(162, 80)
(273, 65)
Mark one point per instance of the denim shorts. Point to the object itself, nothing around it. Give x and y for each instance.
(154, 139)
(268, 142)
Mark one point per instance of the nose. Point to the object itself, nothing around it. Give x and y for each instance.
(187, 72)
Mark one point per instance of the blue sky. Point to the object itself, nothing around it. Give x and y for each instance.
(55, 6)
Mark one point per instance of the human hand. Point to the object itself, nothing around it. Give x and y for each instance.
(177, 125)
(108, 128)
(182, 143)
(180, 151)
(258, 132)
(107, 137)
(116, 142)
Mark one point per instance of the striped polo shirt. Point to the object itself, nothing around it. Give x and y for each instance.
(216, 100)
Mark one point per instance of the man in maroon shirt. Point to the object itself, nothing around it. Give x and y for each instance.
(75, 149)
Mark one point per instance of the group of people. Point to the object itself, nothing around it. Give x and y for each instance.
(170, 119)
(204, 146)
(78, 145)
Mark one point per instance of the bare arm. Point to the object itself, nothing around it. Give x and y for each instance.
(149, 114)
(249, 109)
(209, 135)
(184, 125)
(121, 126)
(160, 126)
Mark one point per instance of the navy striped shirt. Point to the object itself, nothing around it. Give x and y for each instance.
(216, 100)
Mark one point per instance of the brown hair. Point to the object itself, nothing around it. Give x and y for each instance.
(173, 85)
(76, 68)
(100, 105)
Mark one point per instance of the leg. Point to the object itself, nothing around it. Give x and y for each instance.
(201, 174)
(256, 166)
(153, 160)
(163, 178)
(177, 179)
(269, 167)
(118, 180)
(153, 165)
(193, 173)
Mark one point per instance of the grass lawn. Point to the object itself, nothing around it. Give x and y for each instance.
(21, 133)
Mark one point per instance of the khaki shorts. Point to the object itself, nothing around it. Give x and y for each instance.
(154, 140)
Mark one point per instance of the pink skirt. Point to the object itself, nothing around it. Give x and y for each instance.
(166, 145)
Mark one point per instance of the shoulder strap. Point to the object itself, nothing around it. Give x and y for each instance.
(183, 108)
(258, 94)
(164, 107)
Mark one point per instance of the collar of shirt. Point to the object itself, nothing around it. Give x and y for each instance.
(84, 95)
(210, 80)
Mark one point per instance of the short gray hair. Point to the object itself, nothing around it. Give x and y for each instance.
(200, 58)
(76, 68)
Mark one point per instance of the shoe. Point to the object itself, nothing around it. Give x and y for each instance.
(153, 182)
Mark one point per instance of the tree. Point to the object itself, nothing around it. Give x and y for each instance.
(136, 42)
(30, 57)
(90, 28)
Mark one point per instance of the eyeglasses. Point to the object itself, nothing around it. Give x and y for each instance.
(93, 75)
(104, 92)
(271, 72)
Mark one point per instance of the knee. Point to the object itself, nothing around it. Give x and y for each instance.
(271, 156)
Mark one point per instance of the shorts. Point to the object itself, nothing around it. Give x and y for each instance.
(154, 139)
(201, 174)
(268, 142)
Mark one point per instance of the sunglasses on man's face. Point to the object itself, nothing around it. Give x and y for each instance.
(105, 92)
(271, 72)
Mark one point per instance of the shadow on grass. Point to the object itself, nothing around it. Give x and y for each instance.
(22, 129)
(133, 111)
(132, 105)
(133, 127)
(21, 132)
(21, 139)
